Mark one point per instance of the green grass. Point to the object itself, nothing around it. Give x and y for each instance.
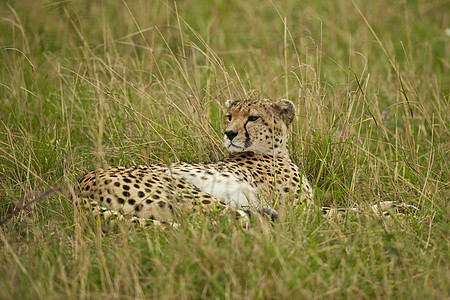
(92, 83)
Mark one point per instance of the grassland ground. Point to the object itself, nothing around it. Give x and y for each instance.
(85, 84)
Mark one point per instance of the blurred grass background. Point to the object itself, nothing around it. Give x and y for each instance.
(93, 83)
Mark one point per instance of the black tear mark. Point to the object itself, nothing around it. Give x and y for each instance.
(247, 135)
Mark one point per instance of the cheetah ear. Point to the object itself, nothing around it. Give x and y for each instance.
(229, 103)
(286, 109)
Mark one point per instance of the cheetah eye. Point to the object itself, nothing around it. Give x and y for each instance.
(253, 118)
(228, 118)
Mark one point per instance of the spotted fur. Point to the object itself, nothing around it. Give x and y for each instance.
(257, 172)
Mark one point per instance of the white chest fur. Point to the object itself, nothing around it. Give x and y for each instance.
(223, 185)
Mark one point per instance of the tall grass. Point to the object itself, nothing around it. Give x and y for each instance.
(91, 83)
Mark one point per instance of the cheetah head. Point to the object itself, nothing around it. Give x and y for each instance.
(258, 125)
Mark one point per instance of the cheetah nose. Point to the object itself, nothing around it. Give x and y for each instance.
(231, 134)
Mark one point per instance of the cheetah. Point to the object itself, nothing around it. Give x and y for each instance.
(257, 172)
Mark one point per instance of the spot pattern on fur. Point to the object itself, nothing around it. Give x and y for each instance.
(256, 176)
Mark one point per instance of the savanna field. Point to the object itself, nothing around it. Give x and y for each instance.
(85, 84)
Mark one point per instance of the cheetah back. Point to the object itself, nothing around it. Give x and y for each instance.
(144, 192)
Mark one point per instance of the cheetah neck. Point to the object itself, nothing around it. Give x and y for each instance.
(256, 155)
